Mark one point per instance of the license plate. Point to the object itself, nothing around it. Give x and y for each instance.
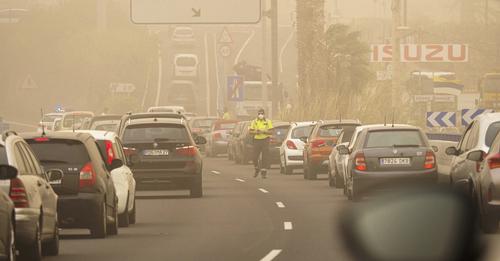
(155, 153)
(55, 182)
(394, 161)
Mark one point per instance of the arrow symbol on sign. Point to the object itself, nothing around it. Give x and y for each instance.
(196, 12)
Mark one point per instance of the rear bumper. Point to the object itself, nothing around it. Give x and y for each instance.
(164, 179)
(369, 181)
(294, 158)
(79, 211)
(26, 221)
(220, 147)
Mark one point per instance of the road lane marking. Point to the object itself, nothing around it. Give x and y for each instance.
(273, 254)
(263, 190)
(237, 59)
(288, 225)
(215, 172)
(280, 204)
(240, 180)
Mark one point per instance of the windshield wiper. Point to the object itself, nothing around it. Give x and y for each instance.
(405, 145)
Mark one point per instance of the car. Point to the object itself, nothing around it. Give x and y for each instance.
(244, 145)
(74, 120)
(186, 66)
(279, 133)
(87, 197)
(165, 155)
(35, 202)
(7, 211)
(217, 138)
(200, 126)
(182, 93)
(233, 139)
(57, 124)
(111, 148)
(183, 36)
(167, 109)
(190, 115)
(389, 157)
(337, 162)
(105, 123)
(291, 150)
(46, 123)
(319, 145)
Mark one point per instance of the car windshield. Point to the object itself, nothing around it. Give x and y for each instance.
(329, 131)
(491, 133)
(50, 118)
(149, 133)
(203, 123)
(224, 125)
(393, 138)
(59, 151)
(303, 131)
(3, 156)
(280, 132)
(74, 120)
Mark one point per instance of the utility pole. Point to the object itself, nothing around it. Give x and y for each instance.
(396, 54)
(265, 56)
(276, 95)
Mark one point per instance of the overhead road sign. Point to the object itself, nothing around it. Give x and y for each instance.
(441, 119)
(235, 90)
(195, 11)
(468, 115)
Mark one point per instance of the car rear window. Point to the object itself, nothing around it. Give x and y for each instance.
(202, 123)
(303, 131)
(394, 138)
(3, 156)
(50, 118)
(60, 151)
(224, 125)
(348, 132)
(76, 120)
(280, 132)
(491, 133)
(149, 133)
(334, 130)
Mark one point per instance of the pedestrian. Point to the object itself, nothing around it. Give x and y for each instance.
(261, 130)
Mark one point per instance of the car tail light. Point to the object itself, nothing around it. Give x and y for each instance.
(18, 193)
(494, 161)
(430, 160)
(217, 136)
(360, 162)
(188, 151)
(318, 143)
(87, 176)
(291, 145)
(41, 139)
(110, 154)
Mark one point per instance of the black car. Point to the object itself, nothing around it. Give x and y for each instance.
(163, 153)
(87, 197)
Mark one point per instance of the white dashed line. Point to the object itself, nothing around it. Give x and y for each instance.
(215, 172)
(240, 180)
(273, 254)
(288, 225)
(280, 204)
(263, 190)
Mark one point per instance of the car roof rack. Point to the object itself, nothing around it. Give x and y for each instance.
(8, 133)
(150, 115)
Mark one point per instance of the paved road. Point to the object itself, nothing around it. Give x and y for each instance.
(239, 218)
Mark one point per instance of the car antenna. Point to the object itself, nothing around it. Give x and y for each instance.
(340, 116)
(393, 118)
(385, 119)
(73, 122)
(43, 125)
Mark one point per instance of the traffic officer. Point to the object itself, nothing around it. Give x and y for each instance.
(261, 131)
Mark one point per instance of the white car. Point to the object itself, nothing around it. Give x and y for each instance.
(168, 109)
(186, 66)
(291, 150)
(74, 120)
(48, 120)
(183, 36)
(111, 147)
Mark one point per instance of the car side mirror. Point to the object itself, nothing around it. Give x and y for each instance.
(452, 151)
(343, 150)
(7, 172)
(115, 164)
(199, 140)
(476, 156)
(55, 175)
(304, 139)
(435, 148)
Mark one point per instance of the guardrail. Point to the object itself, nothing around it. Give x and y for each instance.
(443, 141)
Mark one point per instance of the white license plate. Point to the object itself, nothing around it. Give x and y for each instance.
(155, 153)
(394, 161)
(55, 182)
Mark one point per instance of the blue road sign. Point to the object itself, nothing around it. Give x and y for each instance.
(468, 115)
(441, 119)
(59, 108)
(235, 91)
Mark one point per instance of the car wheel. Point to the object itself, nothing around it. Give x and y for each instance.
(339, 181)
(123, 218)
(12, 243)
(229, 155)
(313, 173)
(51, 248)
(306, 172)
(132, 214)
(489, 223)
(100, 228)
(113, 227)
(34, 250)
(196, 190)
(331, 182)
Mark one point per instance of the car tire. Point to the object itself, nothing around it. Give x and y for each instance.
(33, 252)
(132, 214)
(196, 190)
(331, 182)
(489, 224)
(229, 155)
(99, 230)
(113, 227)
(339, 181)
(12, 242)
(124, 218)
(51, 248)
(288, 170)
(306, 172)
(313, 173)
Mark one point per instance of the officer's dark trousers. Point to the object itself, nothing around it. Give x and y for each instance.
(261, 147)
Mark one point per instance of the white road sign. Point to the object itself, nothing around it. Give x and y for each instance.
(122, 87)
(29, 83)
(225, 37)
(225, 51)
(195, 11)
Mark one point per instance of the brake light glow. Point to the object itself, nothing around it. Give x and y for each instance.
(41, 139)
(291, 145)
(318, 143)
(187, 151)
(18, 193)
(494, 161)
(430, 160)
(87, 176)
(110, 154)
(360, 162)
